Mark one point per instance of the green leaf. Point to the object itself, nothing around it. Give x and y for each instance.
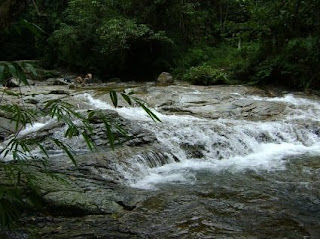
(71, 131)
(114, 98)
(147, 110)
(64, 147)
(126, 98)
(43, 150)
(20, 74)
(91, 145)
(35, 29)
(2, 74)
(12, 70)
(30, 68)
(110, 136)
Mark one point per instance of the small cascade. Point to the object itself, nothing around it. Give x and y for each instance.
(139, 166)
(190, 142)
(222, 144)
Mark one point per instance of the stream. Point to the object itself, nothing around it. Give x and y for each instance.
(231, 176)
(226, 162)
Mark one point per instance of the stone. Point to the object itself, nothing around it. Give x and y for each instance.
(62, 81)
(7, 127)
(164, 79)
(58, 92)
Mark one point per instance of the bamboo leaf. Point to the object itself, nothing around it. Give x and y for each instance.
(34, 28)
(62, 146)
(126, 98)
(2, 74)
(91, 145)
(43, 150)
(114, 98)
(110, 135)
(20, 74)
(9, 92)
(91, 114)
(121, 130)
(30, 68)
(12, 70)
(148, 111)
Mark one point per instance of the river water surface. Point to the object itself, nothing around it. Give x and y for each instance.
(238, 163)
(228, 177)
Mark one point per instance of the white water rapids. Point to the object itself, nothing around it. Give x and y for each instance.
(223, 144)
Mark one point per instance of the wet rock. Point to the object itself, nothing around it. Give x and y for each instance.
(193, 151)
(14, 235)
(59, 92)
(164, 79)
(93, 199)
(90, 226)
(259, 110)
(215, 102)
(7, 127)
(31, 100)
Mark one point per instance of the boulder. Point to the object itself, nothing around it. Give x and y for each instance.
(164, 78)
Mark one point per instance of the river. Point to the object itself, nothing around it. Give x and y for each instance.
(233, 176)
(226, 162)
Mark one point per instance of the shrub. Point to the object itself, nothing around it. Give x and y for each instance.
(295, 65)
(205, 75)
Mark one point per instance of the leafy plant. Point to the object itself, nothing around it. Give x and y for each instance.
(205, 75)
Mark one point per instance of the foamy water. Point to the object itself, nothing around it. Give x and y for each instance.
(214, 145)
(223, 144)
(34, 127)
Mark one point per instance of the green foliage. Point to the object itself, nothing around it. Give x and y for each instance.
(11, 203)
(205, 75)
(19, 70)
(100, 35)
(119, 34)
(296, 65)
(226, 59)
(136, 38)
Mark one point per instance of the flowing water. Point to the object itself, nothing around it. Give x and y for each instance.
(231, 178)
(225, 177)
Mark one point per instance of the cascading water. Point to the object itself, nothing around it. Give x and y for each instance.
(224, 144)
(221, 167)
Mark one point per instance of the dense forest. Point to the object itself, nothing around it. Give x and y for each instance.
(85, 190)
(204, 42)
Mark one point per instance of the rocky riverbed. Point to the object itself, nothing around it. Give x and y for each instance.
(225, 162)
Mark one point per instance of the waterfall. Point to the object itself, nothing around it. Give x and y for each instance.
(187, 143)
(225, 144)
